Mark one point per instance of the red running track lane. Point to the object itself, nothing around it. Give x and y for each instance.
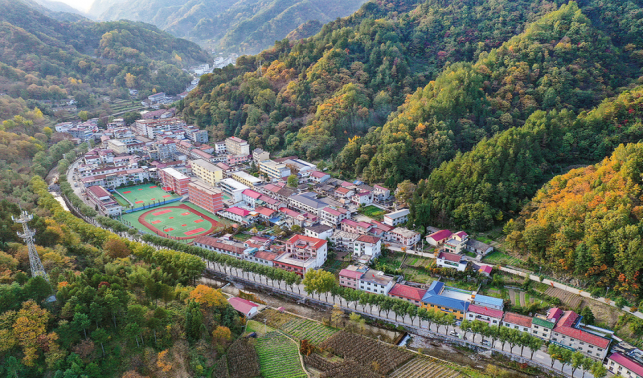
(162, 212)
(153, 186)
(183, 207)
(139, 201)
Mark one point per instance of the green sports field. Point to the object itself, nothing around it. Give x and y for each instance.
(177, 221)
(144, 194)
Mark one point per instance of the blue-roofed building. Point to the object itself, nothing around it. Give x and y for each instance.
(488, 302)
(447, 299)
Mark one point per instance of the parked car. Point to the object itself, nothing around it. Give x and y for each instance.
(454, 334)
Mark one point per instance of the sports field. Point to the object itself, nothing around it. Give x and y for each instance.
(144, 194)
(178, 221)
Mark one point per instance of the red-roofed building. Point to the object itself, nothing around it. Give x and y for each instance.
(485, 314)
(205, 196)
(226, 247)
(408, 293)
(620, 364)
(102, 199)
(244, 306)
(381, 193)
(568, 334)
(319, 177)
(236, 214)
(519, 322)
(262, 257)
(302, 253)
(354, 227)
(250, 197)
(350, 278)
(342, 192)
(485, 269)
(451, 260)
(367, 245)
(436, 239)
(265, 212)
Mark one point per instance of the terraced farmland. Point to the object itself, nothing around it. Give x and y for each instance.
(422, 367)
(316, 333)
(570, 299)
(279, 357)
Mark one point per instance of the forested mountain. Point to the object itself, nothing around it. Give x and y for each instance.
(588, 222)
(312, 96)
(44, 58)
(243, 26)
(491, 183)
(560, 62)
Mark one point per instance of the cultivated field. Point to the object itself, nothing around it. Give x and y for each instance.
(373, 212)
(279, 357)
(570, 299)
(304, 329)
(242, 359)
(370, 353)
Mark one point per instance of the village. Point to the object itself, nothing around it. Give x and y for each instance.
(164, 177)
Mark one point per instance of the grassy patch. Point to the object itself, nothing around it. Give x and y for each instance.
(498, 257)
(260, 328)
(242, 237)
(304, 329)
(372, 212)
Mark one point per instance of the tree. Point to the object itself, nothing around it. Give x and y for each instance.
(404, 192)
(465, 326)
(207, 296)
(319, 281)
(193, 321)
(588, 315)
(598, 370)
(221, 334)
(29, 325)
(293, 181)
(83, 115)
(577, 361)
(336, 315)
(116, 248)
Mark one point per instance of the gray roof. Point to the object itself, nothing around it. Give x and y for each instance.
(309, 200)
(318, 229)
(475, 244)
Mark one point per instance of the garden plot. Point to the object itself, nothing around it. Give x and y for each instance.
(304, 329)
(570, 299)
(279, 357)
(242, 359)
(422, 367)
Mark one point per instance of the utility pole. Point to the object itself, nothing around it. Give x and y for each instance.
(37, 270)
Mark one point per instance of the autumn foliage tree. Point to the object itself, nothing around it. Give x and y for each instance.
(116, 248)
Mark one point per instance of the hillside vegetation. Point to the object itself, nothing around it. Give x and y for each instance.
(48, 59)
(242, 26)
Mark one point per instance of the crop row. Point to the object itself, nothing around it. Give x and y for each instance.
(279, 357)
(242, 359)
(422, 367)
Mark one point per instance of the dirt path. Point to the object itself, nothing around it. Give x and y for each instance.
(523, 301)
(512, 296)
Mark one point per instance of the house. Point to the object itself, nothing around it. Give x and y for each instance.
(381, 230)
(103, 201)
(343, 239)
(265, 213)
(250, 197)
(319, 177)
(448, 300)
(376, 282)
(485, 270)
(354, 227)
(302, 253)
(541, 327)
(518, 322)
(485, 314)
(343, 193)
(381, 193)
(624, 365)
(488, 302)
(293, 217)
(350, 276)
(245, 178)
(259, 155)
(451, 260)
(307, 202)
(367, 245)
(258, 256)
(226, 247)
(478, 247)
(408, 293)
(457, 242)
(397, 217)
(438, 238)
(333, 216)
(244, 306)
(320, 231)
(404, 236)
(569, 334)
(233, 188)
(236, 214)
(362, 198)
(207, 171)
